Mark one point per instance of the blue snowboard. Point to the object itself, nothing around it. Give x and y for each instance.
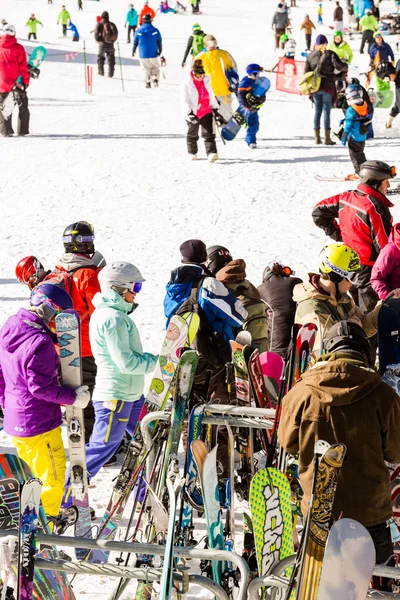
(231, 129)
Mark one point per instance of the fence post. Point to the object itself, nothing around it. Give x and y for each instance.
(120, 66)
(84, 66)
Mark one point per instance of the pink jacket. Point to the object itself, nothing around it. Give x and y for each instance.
(385, 276)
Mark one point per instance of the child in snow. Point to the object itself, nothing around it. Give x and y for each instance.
(319, 13)
(30, 394)
(289, 46)
(200, 106)
(357, 126)
(249, 104)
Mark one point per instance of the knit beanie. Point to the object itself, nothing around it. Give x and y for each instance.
(193, 251)
(321, 39)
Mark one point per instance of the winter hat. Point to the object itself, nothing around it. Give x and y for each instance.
(377, 34)
(321, 40)
(193, 251)
(210, 40)
(196, 27)
(105, 15)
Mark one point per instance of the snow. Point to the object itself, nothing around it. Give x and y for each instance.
(118, 160)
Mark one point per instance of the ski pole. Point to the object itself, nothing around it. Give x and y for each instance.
(85, 65)
(120, 67)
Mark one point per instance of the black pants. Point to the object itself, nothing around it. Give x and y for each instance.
(308, 41)
(106, 50)
(131, 28)
(31, 34)
(396, 106)
(356, 151)
(80, 6)
(64, 29)
(384, 553)
(366, 298)
(89, 371)
(207, 133)
(367, 37)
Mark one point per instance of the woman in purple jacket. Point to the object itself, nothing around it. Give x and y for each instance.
(30, 394)
(385, 276)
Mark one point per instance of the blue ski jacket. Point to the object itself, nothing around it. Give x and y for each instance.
(384, 50)
(352, 122)
(149, 40)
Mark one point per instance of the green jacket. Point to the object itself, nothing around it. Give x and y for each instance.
(117, 349)
(343, 51)
(369, 22)
(64, 17)
(32, 25)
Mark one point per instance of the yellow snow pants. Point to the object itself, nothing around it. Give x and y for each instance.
(45, 455)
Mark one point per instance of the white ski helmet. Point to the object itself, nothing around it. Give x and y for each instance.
(120, 274)
(8, 30)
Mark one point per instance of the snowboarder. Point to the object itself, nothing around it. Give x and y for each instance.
(331, 68)
(339, 217)
(276, 291)
(149, 41)
(195, 43)
(232, 273)
(30, 271)
(380, 52)
(338, 17)
(341, 48)
(216, 64)
(324, 299)
(77, 273)
(146, 10)
(13, 64)
(280, 22)
(394, 75)
(75, 32)
(385, 275)
(32, 24)
(200, 107)
(249, 104)
(106, 33)
(64, 17)
(131, 21)
(368, 26)
(308, 26)
(30, 394)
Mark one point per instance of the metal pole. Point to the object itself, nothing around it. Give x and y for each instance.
(120, 67)
(84, 66)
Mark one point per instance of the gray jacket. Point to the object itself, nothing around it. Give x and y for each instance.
(281, 19)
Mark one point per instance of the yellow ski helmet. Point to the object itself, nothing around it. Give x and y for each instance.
(339, 259)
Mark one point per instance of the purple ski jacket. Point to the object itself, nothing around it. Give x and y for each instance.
(385, 276)
(29, 391)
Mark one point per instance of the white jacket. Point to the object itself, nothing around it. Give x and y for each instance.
(190, 95)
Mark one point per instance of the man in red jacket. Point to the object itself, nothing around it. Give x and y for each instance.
(361, 219)
(13, 64)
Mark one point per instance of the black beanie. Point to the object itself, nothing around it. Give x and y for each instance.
(105, 15)
(193, 251)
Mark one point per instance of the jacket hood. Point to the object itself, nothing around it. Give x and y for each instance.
(70, 261)
(366, 189)
(309, 289)
(108, 298)
(340, 379)
(233, 272)
(105, 15)
(8, 41)
(179, 287)
(21, 327)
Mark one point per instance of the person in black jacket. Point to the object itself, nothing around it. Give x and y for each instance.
(106, 34)
(328, 62)
(277, 292)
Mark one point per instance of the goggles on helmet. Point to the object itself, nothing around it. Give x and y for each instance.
(393, 171)
(68, 239)
(136, 287)
(280, 270)
(41, 297)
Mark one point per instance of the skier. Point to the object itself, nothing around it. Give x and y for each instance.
(324, 299)
(149, 41)
(13, 64)
(106, 33)
(195, 4)
(30, 394)
(338, 17)
(250, 104)
(385, 275)
(357, 127)
(339, 217)
(30, 271)
(394, 75)
(76, 272)
(146, 10)
(276, 291)
(232, 273)
(65, 18)
(342, 399)
(341, 48)
(122, 364)
(195, 43)
(75, 32)
(280, 22)
(32, 24)
(368, 25)
(80, 5)
(331, 68)
(200, 107)
(217, 63)
(131, 21)
(308, 26)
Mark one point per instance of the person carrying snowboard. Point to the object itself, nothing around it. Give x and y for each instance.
(146, 10)
(342, 399)
(13, 64)
(30, 394)
(106, 34)
(195, 43)
(250, 104)
(149, 41)
(32, 24)
(131, 21)
(200, 108)
(64, 18)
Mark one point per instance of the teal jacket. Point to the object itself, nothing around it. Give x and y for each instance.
(117, 349)
(132, 18)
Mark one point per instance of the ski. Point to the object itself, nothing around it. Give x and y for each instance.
(28, 526)
(337, 179)
(260, 394)
(304, 348)
(241, 373)
(68, 337)
(272, 366)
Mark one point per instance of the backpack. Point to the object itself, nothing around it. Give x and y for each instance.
(63, 279)
(365, 125)
(198, 43)
(110, 32)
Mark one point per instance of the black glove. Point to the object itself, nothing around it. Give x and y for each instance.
(220, 119)
(21, 88)
(183, 64)
(133, 53)
(253, 101)
(191, 117)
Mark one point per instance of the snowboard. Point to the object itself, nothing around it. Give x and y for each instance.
(304, 347)
(231, 129)
(29, 501)
(348, 563)
(389, 333)
(242, 382)
(48, 585)
(272, 369)
(69, 341)
(260, 395)
(381, 98)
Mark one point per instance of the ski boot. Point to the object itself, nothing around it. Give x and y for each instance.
(155, 83)
(148, 84)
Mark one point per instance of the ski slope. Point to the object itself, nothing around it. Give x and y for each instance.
(118, 160)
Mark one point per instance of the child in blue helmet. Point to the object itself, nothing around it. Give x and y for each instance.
(250, 104)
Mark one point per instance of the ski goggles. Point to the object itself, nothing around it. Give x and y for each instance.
(199, 71)
(280, 270)
(68, 239)
(136, 287)
(393, 171)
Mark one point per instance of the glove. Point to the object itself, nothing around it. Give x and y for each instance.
(253, 101)
(344, 139)
(133, 53)
(220, 119)
(183, 65)
(191, 117)
(82, 396)
(389, 122)
(262, 98)
(21, 86)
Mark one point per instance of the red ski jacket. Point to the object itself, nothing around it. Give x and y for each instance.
(13, 63)
(359, 218)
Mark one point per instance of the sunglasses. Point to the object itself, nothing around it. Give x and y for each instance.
(136, 287)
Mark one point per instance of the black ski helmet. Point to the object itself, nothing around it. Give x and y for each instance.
(217, 258)
(346, 335)
(78, 238)
(373, 172)
(147, 18)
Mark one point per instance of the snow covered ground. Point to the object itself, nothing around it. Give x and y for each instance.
(118, 160)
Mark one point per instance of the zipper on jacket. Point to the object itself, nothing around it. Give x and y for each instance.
(53, 464)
